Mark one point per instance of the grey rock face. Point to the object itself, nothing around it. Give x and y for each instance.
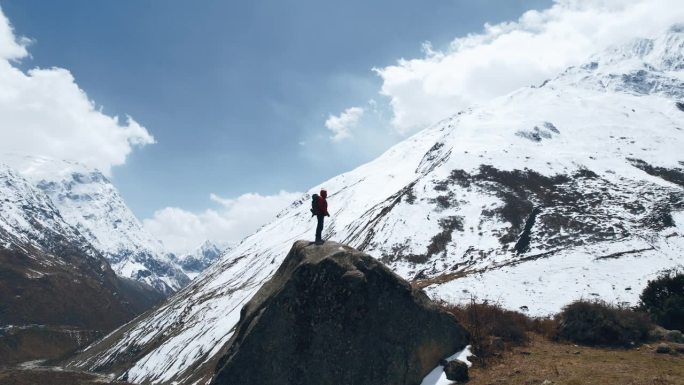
(333, 315)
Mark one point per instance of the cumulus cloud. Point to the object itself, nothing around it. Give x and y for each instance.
(342, 124)
(510, 55)
(11, 47)
(43, 112)
(181, 231)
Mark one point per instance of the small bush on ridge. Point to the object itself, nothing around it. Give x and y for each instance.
(598, 323)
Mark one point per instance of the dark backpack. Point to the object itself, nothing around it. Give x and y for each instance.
(314, 204)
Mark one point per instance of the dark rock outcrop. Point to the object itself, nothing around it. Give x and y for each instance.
(456, 371)
(333, 315)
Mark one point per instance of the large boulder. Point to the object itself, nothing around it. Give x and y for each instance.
(333, 315)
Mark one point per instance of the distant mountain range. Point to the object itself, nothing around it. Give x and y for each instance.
(89, 202)
(75, 262)
(572, 188)
(201, 258)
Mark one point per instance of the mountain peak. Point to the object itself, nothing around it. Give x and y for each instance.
(202, 257)
(642, 66)
(28, 216)
(89, 202)
(661, 53)
(208, 245)
(42, 168)
(674, 47)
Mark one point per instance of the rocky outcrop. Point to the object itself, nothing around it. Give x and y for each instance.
(456, 371)
(333, 315)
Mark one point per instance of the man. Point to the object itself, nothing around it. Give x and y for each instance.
(321, 211)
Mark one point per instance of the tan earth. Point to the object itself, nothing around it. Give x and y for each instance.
(567, 364)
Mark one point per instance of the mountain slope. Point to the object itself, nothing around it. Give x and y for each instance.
(88, 201)
(53, 282)
(571, 189)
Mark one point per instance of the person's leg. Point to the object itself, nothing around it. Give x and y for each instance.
(319, 228)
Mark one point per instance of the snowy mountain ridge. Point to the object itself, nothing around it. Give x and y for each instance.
(663, 53)
(28, 216)
(88, 201)
(644, 66)
(201, 258)
(537, 198)
(53, 279)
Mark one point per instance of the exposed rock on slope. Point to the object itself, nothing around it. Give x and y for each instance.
(333, 315)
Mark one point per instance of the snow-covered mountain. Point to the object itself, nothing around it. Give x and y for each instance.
(201, 258)
(88, 201)
(571, 189)
(44, 260)
(28, 217)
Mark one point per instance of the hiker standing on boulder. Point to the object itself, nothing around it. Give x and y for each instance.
(319, 208)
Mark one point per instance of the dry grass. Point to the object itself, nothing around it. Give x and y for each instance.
(567, 364)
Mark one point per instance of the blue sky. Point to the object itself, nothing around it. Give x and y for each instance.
(237, 94)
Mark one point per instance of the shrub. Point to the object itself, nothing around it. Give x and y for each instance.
(547, 327)
(491, 327)
(598, 323)
(663, 300)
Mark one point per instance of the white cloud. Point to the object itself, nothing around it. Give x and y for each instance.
(11, 48)
(181, 231)
(511, 55)
(342, 124)
(43, 112)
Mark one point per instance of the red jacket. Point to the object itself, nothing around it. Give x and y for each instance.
(323, 204)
